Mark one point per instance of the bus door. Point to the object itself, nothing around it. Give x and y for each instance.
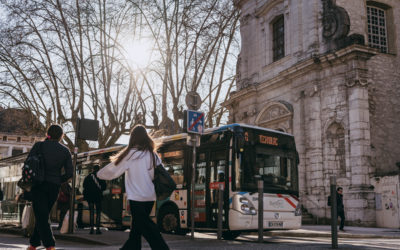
(113, 200)
(200, 208)
(217, 176)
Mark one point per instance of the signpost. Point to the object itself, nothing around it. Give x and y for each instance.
(195, 126)
(88, 130)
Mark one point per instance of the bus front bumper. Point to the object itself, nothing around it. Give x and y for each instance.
(272, 221)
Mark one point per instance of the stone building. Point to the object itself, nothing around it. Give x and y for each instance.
(329, 73)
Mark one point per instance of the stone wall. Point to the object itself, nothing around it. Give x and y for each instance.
(340, 102)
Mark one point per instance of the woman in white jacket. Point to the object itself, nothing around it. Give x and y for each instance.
(137, 161)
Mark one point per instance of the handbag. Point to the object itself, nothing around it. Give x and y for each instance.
(164, 185)
(65, 223)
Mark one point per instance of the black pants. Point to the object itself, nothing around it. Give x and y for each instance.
(342, 219)
(143, 225)
(43, 198)
(98, 213)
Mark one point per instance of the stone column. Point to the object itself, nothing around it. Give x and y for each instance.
(360, 198)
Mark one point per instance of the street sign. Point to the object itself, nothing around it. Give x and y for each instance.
(195, 122)
(193, 100)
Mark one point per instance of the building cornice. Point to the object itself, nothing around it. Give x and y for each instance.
(353, 52)
(264, 9)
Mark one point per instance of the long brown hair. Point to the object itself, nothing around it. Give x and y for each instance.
(139, 140)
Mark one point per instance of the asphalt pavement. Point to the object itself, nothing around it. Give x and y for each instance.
(114, 238)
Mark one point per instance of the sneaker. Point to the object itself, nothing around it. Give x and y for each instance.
(98, 231)
(92, 231)
(31, 248)
(341, 229)
(50, 248)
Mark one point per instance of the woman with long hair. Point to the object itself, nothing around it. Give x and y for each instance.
(56, 157)
(137, 161)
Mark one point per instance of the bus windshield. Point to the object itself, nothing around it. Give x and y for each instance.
(277, 169)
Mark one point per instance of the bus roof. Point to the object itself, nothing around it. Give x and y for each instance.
(229, 127)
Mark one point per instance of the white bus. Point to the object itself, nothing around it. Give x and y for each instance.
(235, 156)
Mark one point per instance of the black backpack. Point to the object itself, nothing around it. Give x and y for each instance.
(163, 182)
(33, 170)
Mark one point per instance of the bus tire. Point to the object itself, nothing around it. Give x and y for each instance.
(230, 235)
(169, 221)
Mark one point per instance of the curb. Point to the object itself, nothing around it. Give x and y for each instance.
(77, 238)
(328, 235)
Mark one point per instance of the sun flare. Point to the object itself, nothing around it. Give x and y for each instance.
(137, 53)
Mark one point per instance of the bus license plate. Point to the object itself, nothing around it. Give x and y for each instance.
(275, 224)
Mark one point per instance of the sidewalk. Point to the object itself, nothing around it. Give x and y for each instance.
(114, 237)
(350, 232)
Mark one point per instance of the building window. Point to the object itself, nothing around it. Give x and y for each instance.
(278, 42)
(377, 29)
(18, 139)
(16, 151)
(4, 138)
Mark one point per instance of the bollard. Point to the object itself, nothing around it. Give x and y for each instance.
(194, 139)
(334, 212)
(220, 208)
(260, 210)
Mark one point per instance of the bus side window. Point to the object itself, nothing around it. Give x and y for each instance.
(173, 162)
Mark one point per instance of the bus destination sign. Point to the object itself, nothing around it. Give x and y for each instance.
(268, 140)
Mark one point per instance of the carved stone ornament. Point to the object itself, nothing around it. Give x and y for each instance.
(358, 78)
(273, 113)
(335, 21)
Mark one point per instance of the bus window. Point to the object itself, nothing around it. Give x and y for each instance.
(278, 171)
(173, 162)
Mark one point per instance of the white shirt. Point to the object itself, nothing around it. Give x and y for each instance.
(139, 173)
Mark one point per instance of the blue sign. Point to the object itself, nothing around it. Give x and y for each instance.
(195, 122)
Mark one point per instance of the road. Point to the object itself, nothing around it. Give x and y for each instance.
(207, 241)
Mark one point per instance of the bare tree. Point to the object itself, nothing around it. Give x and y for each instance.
(197, 46)
(62, 60)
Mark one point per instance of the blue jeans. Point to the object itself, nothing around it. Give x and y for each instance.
(143, 225)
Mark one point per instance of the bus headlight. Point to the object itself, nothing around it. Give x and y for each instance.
(244, 206)
(297, 211)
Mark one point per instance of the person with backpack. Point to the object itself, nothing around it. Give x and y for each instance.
(55, 157)
(63, 202)
(93, 188)
(138, 161)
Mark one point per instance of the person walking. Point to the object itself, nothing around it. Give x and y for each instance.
(340, 207)
(137, 161)
(63, 202)
(56, 157)
(93, 188)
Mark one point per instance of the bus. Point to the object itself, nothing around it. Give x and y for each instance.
(235, 156)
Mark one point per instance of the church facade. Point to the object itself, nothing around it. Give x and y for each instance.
(328, 72)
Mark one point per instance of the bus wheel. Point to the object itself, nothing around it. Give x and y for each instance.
(230, 235)
(169, 221)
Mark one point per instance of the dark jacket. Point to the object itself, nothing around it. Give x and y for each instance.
(91, 191)
(56, 157)
(339, 201)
